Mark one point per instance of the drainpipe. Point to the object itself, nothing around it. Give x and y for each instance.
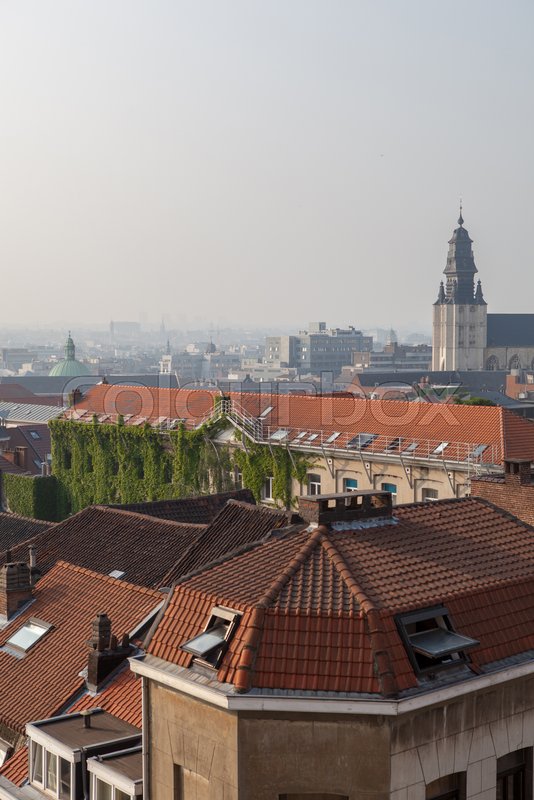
(145, 738)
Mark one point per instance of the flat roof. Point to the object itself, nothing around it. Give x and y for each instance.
(128, 764)
(71, 731)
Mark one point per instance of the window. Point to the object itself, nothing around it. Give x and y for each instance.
(395, 444)
(362, 440)
(512, 772)
(412, 447)
(314, 484)
(117, 573)
(238, 479)
(392, 489)
(429, 494)
(211, 644)
(477, 451)
(49, 771)
(266, 412)
(350, 485)
(300, 435)
(279, 435)
(440, 448)
(332, 438)
(450, 787)
(312, 437)
(35, 435)
(28, 635)
(268, 488)
(431, 641)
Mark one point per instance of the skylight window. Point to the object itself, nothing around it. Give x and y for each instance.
(332, 438)
(440, 448)
(393, 445)
(279, 435)
(478, 450)
(300, 435)
(362, 440)
(411, 447)
(313, 437)
(431, 641)
(28, 635)
(35, 435)
(266, 412)
(117, 573)
(211, 645)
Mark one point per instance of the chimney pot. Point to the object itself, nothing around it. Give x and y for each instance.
(86, 715)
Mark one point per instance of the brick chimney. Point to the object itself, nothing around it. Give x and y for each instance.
(518, 472)
(106, 654)
(346, 507)
(15, 587)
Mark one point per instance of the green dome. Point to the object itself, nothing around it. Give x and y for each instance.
(69, 367)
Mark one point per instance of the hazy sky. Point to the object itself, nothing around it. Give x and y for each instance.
(239, 161)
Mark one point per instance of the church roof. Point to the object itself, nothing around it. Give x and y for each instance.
(510, 330)
(69, 366)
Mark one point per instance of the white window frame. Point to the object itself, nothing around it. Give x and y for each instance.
(268, 492)
(43, 786)
(314, 486)
(351, 488)
(113, 787)
(429, 499)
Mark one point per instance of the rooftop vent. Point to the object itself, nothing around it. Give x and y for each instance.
(345, 507)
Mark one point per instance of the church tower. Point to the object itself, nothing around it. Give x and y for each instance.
(460, 313)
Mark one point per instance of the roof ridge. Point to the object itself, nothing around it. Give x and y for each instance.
(260, 509)
(127, 512)
(100, 575)
(377, 634)
(254, 631)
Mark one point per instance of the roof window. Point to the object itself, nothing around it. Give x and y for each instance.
(411, 447)
(477, 451)
(395, 444)
(300, 435)
(440, 448)
(211, 645)
(332, 437)
(312, 437)
(279, 435)
(362, 440)
(431, 641)
(28, 635)
(35, 435)
(266, 412)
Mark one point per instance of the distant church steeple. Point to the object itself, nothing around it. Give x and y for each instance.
(460, 269)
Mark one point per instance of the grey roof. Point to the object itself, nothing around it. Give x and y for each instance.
(28, 412)
(468, 380)
(510, 330)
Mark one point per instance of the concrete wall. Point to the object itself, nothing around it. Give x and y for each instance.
(464, 735)
(191, 743)
(298, 755)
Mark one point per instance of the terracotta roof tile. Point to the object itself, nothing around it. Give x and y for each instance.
(15, 769)
(200, 510)
(319, 608)
(237, 524)
(121, 697)
(106, 539)
(15, 528)
(68, 597)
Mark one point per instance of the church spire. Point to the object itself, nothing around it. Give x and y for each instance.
(460, 269)
(70, 350)
(479, 297)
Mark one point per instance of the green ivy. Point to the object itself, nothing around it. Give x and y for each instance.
(257, 462)
(32, 496)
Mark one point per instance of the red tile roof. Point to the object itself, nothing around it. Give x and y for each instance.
(68, 597)
(200, 510)
(319, 608)
(106, 539)
(122, 698)
(464, 427)
(140, 403)
(15, 528)
(236, 525)
(507, 434)
(15, 769)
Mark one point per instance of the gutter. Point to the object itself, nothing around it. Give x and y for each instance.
(176, 678)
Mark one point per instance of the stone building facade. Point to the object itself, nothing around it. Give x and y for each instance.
(464, 335)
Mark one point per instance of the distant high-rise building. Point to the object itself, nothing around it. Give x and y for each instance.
(318, 349)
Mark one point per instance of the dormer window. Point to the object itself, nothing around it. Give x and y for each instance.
(50, 771)
(211, 645)
(431, 641)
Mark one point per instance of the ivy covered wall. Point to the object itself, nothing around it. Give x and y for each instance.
(106, 463)
(31, 496)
